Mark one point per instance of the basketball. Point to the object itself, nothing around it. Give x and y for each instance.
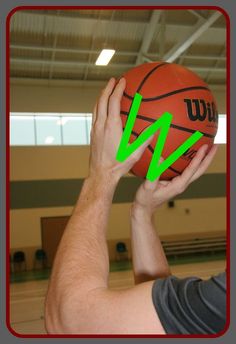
(169, 87)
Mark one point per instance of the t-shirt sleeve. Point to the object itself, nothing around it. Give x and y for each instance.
(191, 305)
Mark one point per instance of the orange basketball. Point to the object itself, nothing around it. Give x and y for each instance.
(168, 87)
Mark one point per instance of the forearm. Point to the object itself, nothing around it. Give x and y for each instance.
(149, 260)
(82, 262)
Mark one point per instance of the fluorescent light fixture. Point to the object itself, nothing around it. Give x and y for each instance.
(49, 140)
(104, 57)
(221, 132)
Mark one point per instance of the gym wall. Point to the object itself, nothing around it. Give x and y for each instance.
(76, 98)
(45, 181)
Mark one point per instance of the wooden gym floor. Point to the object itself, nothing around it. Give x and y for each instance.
(27, 298)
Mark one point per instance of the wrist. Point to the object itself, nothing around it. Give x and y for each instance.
(138, 211)
(103, 178)
(101, 184)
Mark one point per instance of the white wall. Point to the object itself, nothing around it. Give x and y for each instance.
(50, 163)
(32, 98)
(44, 163)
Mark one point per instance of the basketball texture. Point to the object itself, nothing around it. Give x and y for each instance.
(168, 87)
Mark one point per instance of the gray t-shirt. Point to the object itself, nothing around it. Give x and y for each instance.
(191, 305)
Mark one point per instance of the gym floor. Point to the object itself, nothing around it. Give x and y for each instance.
(27, 298)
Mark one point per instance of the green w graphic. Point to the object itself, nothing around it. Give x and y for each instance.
(163, 124)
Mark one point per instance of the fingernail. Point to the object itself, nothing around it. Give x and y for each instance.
(205, 147)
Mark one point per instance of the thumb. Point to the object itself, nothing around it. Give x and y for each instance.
(148, 185)
(152, 185)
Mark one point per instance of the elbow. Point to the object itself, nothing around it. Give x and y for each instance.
(64, 314)
(56, 316)
(51, 325)
(166, 273)
(52, 318)
(143, 277)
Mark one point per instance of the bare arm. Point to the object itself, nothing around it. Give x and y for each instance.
(78, 298)
(149, 260)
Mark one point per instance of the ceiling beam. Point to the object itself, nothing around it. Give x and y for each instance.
(70, 64)
(96, 52)
(196, 14)
(103, 20)
(206, 69)
(80, 17)
(198, 68)
(54, 49)
(198, 29)
(66, 50)
(21, 20)
(76, 64)
(44, 37)
(204, 57)
(148, 35)
(216, 64)
(162, 36)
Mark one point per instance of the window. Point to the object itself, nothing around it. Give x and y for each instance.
(22, 130)
(222, 130)
(74, 130)
(49, 129)
(29, 129)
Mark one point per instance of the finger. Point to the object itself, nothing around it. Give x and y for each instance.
(205, 163)
(94, 113)
(115, 100)
(148, 185)
(164, 182)
(179, 183)
(135, 156)
(195, 163)
(102, 106)
(152, 185)
(140, 150)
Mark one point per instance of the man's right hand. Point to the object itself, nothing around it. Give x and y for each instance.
(151, 195)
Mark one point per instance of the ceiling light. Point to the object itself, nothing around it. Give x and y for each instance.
(104, 57)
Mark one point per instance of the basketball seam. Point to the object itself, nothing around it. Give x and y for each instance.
(152, 151)
(148, 74)
(161, 97)
(126, 95)
(174, 126)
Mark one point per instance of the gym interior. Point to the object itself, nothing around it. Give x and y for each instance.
(54, 84)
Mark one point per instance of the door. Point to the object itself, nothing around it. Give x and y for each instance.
(52, 229)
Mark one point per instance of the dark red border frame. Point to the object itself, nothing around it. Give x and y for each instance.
(216, 8)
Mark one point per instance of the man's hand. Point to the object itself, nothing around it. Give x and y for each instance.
(106, 135)
(151, 195)
(149, 260)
